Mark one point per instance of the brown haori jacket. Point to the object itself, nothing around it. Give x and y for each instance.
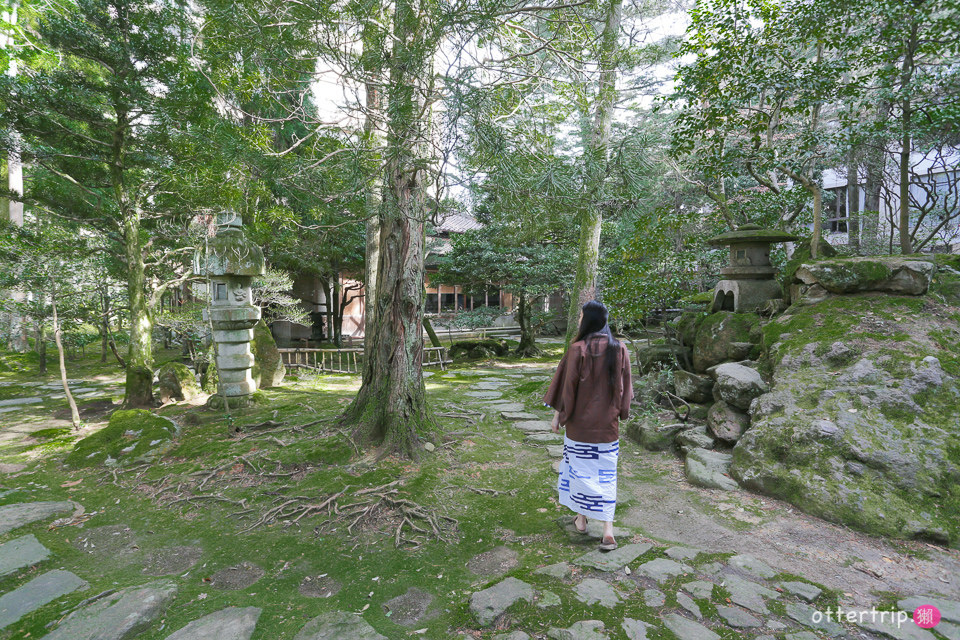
(580, 391)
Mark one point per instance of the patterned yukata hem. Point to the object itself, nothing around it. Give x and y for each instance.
(588, 478)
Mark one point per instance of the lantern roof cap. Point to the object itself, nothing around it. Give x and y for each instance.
(748, 233)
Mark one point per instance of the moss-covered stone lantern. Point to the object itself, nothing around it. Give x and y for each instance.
(749, 280)
(231, 262)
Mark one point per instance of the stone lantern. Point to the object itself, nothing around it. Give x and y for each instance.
(749, 280)
(230, 264)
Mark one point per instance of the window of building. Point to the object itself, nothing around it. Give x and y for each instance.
(431, 303)
(219, 290)
(835, 209)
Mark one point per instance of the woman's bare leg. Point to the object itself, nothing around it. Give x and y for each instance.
(607, 530)
(580, 522)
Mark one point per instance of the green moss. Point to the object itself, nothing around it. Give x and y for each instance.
(130, 435)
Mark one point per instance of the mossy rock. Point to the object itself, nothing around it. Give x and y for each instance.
(946, 283)
(479, 348)
(268, 369)
(686, 324)
(133, 435)
(661, 356)
(176, 382)
(893, 274)
(801, 254)
(210, 378)
(862, 421)
(726, 336)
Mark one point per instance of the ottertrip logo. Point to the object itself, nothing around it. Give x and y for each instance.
(926, 616)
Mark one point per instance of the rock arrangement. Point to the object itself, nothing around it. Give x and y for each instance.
(845, 405)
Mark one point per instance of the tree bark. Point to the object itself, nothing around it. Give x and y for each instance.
(585, 279)
(41, 348)
(372, 61)
(74, 414)
(906, 141)
(528, 340)
(853, 200)
(390, 409)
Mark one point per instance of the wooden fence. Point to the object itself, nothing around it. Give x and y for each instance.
(349, 360)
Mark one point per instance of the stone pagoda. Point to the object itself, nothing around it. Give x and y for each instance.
(230, 263)
(749, 280)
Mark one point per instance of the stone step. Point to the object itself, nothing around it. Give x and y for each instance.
(232, 623)
(544, 438)
(21, 552)
(13, 516)
(119, 616)
(336, 625)
(612, 560)
(40, 591)
(534, 426)
(513, 416)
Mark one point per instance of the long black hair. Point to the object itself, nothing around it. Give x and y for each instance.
(594, 321)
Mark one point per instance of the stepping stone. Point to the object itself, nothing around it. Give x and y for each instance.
(810, 617)
(21, 552)
(495, 562)
(114, 543)
(16, 402)
(686, 629)
(42, 590)
(737, 618)
(636, 629)
(410, 608)
(507, 406)
(710, 469)
(236, 577)
(13, 516)
(612, 560)
(682, 553)
(887, 627)
(489, 604)
(513, 635)
(949, 609)
(548, 599)
(749, 594)
(585, 630)
(752, 565)
(232, 623)
(555, 451)
(518, 415)
(654, 598)
(802, 590)
(560, 571)
(700, 589)
(171, 560)
(948, 631)
(490, 385)
(11, 467)
(119, 616)
(544, 438)
(662, 569)
(535, 426)
(593, 591)
(484, 395)
(338, 625)
(319, 587)
(687, 604)
(799, 635)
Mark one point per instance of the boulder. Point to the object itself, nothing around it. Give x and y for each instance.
(892, 274)
(694, 438)
(176, 382)
(685, 326)
(693, 387)
(652, 435)
(661, 356)
(710, 469)
(738, 385)
(865, 436)
(726, 423)
(268, 369)
(478, 349)
(725, 336)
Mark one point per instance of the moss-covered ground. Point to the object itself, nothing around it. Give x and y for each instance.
(218, 488)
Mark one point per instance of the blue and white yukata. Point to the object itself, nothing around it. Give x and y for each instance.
(588, 478)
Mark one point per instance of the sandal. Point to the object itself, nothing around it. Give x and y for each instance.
(579, 530)
(608, 546)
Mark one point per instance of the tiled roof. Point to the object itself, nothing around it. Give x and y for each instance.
(456, 223)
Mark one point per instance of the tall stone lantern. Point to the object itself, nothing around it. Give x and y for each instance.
(230, 264)
(749, 280)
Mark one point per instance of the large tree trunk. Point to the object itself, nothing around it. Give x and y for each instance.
(585, 279)
(528, 340)
(869, 234)
(139, 384)
(390, 409)
(41, 348)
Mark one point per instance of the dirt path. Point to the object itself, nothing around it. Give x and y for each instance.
(857, 565)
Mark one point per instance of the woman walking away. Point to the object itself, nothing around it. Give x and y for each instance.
(590, 394)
